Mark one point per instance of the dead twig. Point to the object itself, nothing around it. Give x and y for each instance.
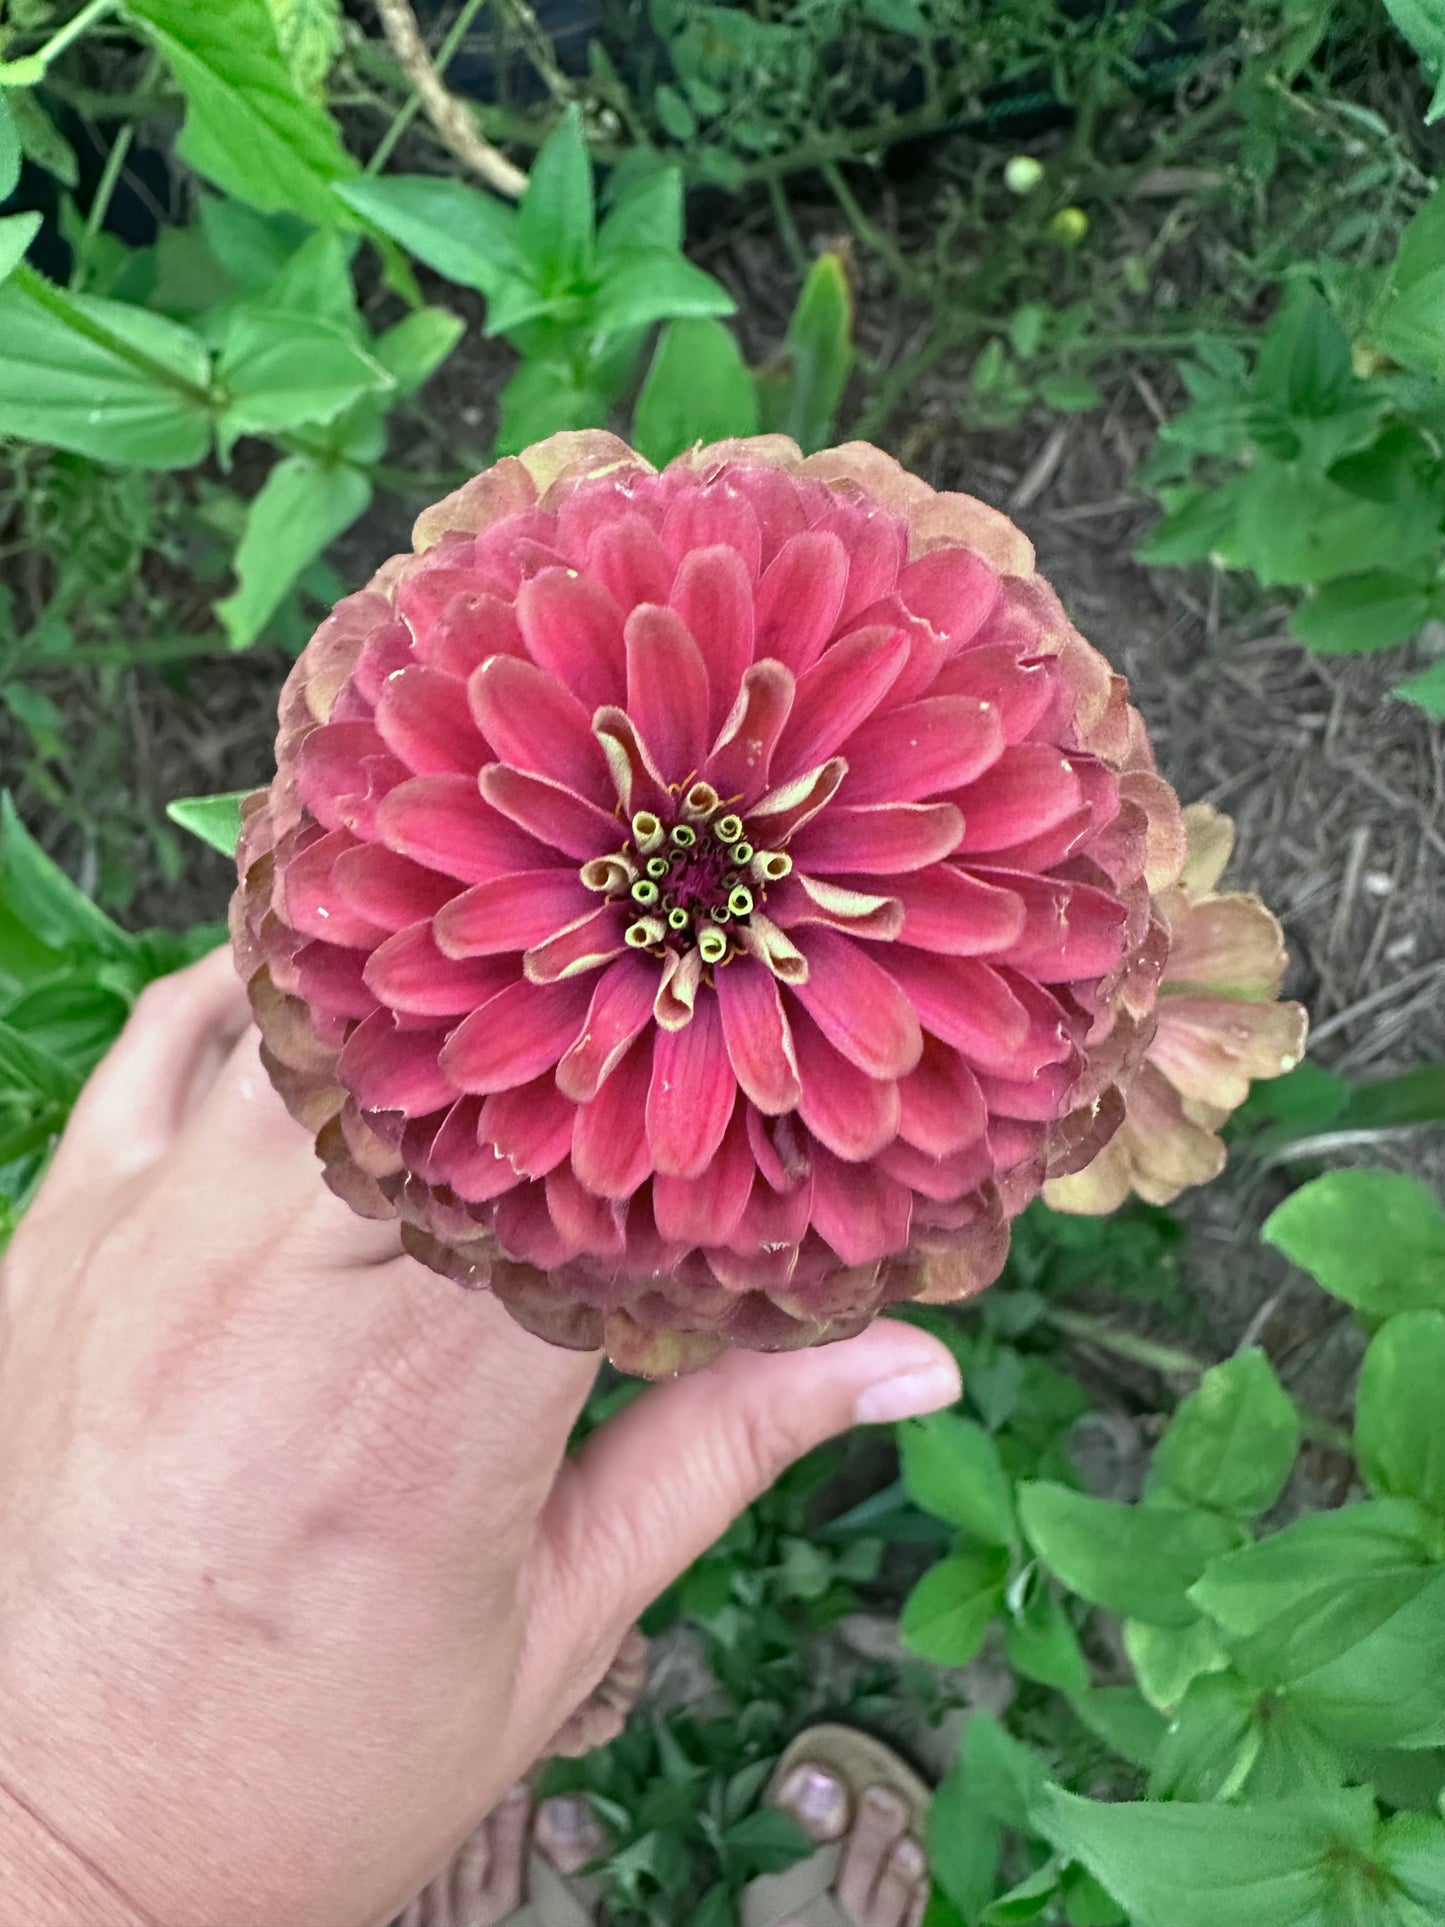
(448, 115)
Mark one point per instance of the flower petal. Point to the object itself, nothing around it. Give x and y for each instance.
(588, 1222)
(419, 718)
(456, 1157)
(390, 890)
(843, 687)
(621, 1007)
(667, 690)
(1028, 790)
(343, 771)
(946, 909)
(799, 597)
(536, 725)
(529, 1126)
(954, 590)
(860, 913)
(862, 1212)
(922, 749)
(1071, 931)
(1211, 1048)
(389, 1069)
(713, 595)
(573, 631)
(444, 822)
(853, 1114)
(759, 1040)
(706, 1209)
(964, 1003)
(739, 761)
(692, 1093)
(878, 839)
(557, 817)
(1232, 944)
(942, 1107)
(511, 913)
(628, 559)
(1022, 688)
(776, 817)
(610, 1150)
(858, 1006)
(577, 947)
(521, 1032)
(409, 973)
(315, 904)
(719, 513)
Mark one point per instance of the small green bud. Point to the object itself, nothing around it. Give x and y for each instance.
(1069, 225)
(1022, 174)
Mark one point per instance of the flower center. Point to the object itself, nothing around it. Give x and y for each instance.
(691, 878)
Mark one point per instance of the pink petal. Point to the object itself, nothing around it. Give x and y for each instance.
(472, 627)
(332, 981)
(610, 1151)
(521, 1032)
(573, 631)
(780, 814)
(667, 691)
(1030, 788)
(519, 547)
(719, 513)
(511, 913)
(862, 1212)
(1071, 930)
(964, 1003)
(557, 817)
(799, 597)
(713, 595)
(740, 759)
(692, 1094)
(845, 906)
(883, 839)
(418, 716)
(954, 590)
(390, 890)
(530, 1126)
(845, 685)
(756, 1032)
(1053, 846)
(455, 1157)
(942, 1106)
(343, 771)
(853, 1114)
(589, 1223)
(627, 558)
(946, 909)
(705, 1210)
(585, 511)
(1022, 687)
(876, 543)
(1043, 1097)
(581, 946)
(858, 1006)
(526, 1232)
(389, 1069)
(315, 904)
(621, 1007)
(444, 822)
(769, 1231)
(409, 973)
(942, 1179)
(636, 779)
(536, 725)
(781, 1149)
(922, 749)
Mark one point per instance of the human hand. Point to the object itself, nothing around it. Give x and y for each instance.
(295, 1578)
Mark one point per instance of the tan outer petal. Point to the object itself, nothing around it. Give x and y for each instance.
(1101, 1187)
(951, 518)
(575, 452)
(1167, 843)
(1211, 844)
(1231, 945)
(501, 490)
(879, 474)
(1212, 1048)
(773, 451)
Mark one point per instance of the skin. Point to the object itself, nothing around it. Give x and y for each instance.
(295, 1577)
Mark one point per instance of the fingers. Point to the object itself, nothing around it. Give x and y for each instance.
(660, 1482)
(149, 1084)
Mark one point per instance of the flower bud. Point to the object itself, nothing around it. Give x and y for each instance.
(1022, 174)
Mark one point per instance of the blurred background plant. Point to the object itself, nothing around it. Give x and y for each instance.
(1155, 275)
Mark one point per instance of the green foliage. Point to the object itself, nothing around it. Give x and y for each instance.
(1373, 1238)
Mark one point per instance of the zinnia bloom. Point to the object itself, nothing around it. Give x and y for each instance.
(1217, 1029)
(704, 906)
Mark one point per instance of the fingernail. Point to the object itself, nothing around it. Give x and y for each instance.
(909, 1395)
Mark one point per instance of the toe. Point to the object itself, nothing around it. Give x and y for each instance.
(567, 1831)
(902, 1886)
(881, 1824)
(505, 1880)
(818, 1801)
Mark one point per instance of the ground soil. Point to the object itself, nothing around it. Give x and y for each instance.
(1338, 788)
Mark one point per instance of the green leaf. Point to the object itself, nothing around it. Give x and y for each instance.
(1400, 1411)
(40, 140)
(1292, 528)
(1411, 1846)
(280, 369)
(1304, 363)
(247, 128)
(1422, 22)
(1212, 1741)
(1277, 1863)
(555, 218)
(1427, 690)
(1356, 614)
(42, 898)
(41, 1077)
(301, 507)
(1198, 520)
(1376, 1239)
(253, 248)
(101, 378)
(647, 213)
(1392, 1103)
(315, 281)
(767, 1841)
(639, 288)
(802, 393)
(416, 346)
(989, 1787)
(1027, 1899)
(1040, 1642)
(1314, 1556)
(17, 231)
(543, 397)
(1124, 1720)
(715, 1909)
(1232, 1443)
(697, 390)
(1071, 394)
(1168, 1659)
(950, 1610)
(951, 1468)
(214, 819)
(468, 236)
(1135, 1560)
(9, 147)
(673, 112)
(308, 33)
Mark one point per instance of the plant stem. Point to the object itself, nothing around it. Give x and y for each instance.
(881, 244)
(114, 164)
(61, 39)
(411, 107)
(448, 115)
(787, 226)
(55, 302)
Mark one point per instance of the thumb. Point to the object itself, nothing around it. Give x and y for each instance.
(658, 1484)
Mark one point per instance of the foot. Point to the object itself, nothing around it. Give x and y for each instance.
(883, 1876)
(487, 1879)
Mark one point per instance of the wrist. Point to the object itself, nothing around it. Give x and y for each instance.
(45, 1882)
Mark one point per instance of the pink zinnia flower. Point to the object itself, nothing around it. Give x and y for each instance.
(704, 906)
